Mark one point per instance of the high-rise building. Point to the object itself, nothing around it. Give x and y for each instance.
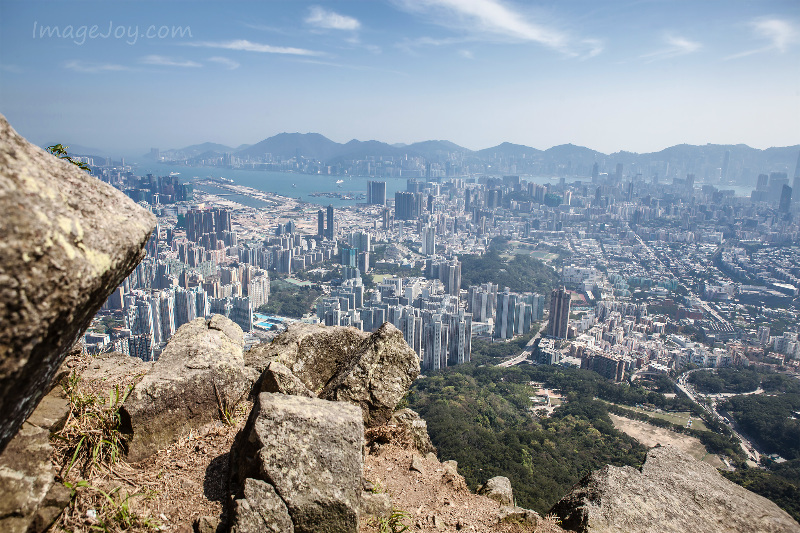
(786, 199)
(763, 182)
(321, 223)
(330, 231)
(595, 173)
(776, 182)
(504, 315)
(796, 180)
(559, 313)
(460, 332)
(428, 240)
(436, 341)
(376, 192)
(404, 205)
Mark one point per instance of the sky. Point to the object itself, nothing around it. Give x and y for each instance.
(642, 75)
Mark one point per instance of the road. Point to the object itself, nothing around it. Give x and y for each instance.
(526, 353)
(747, 445)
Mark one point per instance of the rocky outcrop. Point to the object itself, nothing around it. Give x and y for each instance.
(260, 510)
(199, 375)
(312, 352)
(373, 371)
(498, 489)
(278, 378)
(672, 492)
(306, 450)
(30, 498)
(417, 428)
(67, 241)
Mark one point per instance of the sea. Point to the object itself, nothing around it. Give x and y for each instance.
(294, 185)
(303, 186)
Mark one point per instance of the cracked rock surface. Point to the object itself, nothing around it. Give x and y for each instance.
(306, 450)
(343, 364)
(68, 240)
(200, 373)
(672, 492)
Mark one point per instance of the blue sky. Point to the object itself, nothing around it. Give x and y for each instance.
(637, 75)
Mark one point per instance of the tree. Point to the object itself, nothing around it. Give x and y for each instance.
(61, 152)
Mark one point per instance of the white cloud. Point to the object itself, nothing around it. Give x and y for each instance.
(91, 68)
(466, 54)
(675, 46)
(322, 18)
(163, 61)
(230, 64)
(595, 47)
(489, 17)
(248, 46)
(780, 34)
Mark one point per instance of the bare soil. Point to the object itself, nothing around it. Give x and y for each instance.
(435, 499)
(651, 436)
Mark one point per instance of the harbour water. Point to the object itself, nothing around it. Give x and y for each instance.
(303, 186)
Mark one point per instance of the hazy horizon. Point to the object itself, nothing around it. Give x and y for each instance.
(636, 77)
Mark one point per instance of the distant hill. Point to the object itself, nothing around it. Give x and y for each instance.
(509, 150)
(436, 147)
(745, 163)
(288, 145)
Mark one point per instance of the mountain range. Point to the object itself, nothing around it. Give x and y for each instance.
(318, 147)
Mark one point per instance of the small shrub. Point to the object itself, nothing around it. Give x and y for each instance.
(91, 437)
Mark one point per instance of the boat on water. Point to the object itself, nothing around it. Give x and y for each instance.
(339, 182)
(294, 185)
(171, 174)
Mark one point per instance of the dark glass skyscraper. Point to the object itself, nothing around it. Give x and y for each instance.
(559, 313)
(376, 192)
(330, 230)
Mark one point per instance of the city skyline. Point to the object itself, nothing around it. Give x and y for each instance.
(622, 76)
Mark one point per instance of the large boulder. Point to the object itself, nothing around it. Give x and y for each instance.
(672, 492)
(310, 452)
(312, 352)
(498, 489)
(68, 240)
(416, 427)
(199, 375)
(343, 364)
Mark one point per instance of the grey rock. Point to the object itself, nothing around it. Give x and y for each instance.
(499, 489)
(417, 427)
(377, 376)
(377, 505)
(451, 467)
(52, 412)
(310, 451)
(417, 464)
(30, 499)
(672, 492)
(518, 514)
(278, 378)
(344, 364)
(26, 480)
(312, 352)
(206, 524)
(199, 372)
(68, 240)
(260, 510)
